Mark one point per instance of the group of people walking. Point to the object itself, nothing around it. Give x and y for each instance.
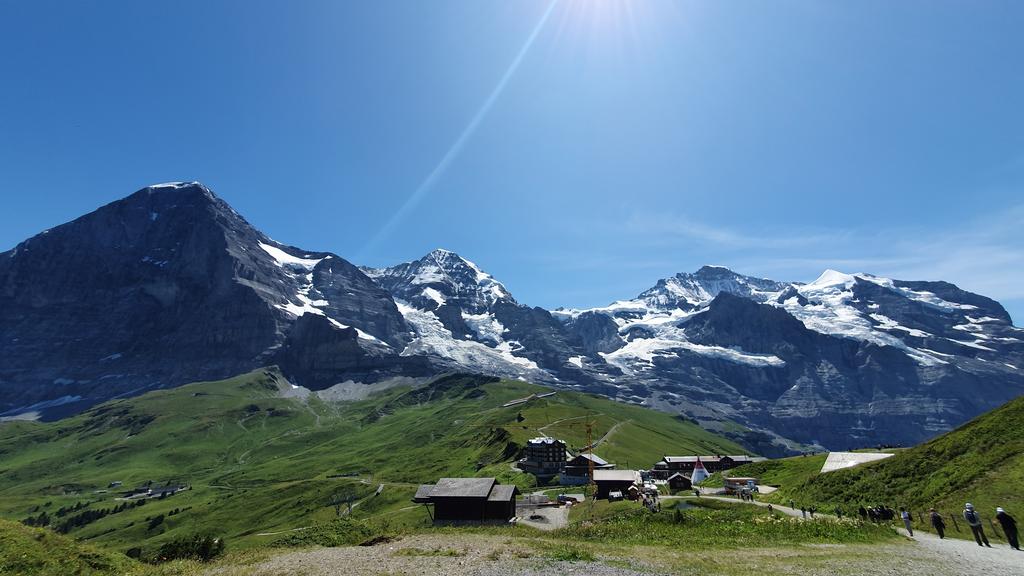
(880, 513)
(973, 519)
(883, 513)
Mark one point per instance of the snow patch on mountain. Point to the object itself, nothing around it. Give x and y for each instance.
(639, 354)
(433, 338)
(286, 260)
(485, 326)
(434, 295)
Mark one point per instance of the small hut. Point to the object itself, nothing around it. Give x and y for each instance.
(679, 481)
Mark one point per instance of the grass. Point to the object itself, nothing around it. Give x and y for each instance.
(707, 524)
(778, 472)
(261, 465)
(570, 553)
(34, 551)
(980, 462)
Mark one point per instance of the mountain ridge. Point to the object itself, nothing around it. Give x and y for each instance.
(170, 285)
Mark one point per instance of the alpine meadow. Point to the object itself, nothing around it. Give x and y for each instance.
(492, 288)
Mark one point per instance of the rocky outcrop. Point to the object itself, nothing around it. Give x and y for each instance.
(166, 286)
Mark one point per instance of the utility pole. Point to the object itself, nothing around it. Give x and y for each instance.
(590, 466)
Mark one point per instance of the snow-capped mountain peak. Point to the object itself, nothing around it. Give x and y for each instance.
(440, 277)
(691, 290)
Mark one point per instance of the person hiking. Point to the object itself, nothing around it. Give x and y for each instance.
(973, 520)
(804, 512)
(812, 510)
(906, 521)
(863, 512)
(771, 511)
(938, 523)
(1009, 527)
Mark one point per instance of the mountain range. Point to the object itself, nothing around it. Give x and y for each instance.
(170, 285)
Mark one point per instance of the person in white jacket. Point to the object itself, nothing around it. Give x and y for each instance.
(906, 520)
(973, 520)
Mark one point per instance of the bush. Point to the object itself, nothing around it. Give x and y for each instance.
(199, 547)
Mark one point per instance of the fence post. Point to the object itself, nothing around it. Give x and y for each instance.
(995, 530)
(955, 525)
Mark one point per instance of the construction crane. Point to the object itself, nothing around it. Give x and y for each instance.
(588, 425)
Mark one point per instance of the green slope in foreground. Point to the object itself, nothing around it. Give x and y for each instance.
(260, 463)
(39, 552)
(980, 462)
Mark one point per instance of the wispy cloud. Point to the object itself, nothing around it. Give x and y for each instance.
(984, 255)
(669, 227)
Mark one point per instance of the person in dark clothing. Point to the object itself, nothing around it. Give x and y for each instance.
(804, 512)
(938, 523)
(863, 514)
(1009, 527)
(974, 521)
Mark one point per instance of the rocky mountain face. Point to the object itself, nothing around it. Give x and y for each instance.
(170, 285)
(166, 286)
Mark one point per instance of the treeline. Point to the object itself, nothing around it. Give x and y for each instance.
(201, 547)
(78, 520)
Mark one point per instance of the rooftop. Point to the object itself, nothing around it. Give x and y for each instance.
(593, 458)
(503, 493)
(616, 476)
(543, 440)
(462, 487)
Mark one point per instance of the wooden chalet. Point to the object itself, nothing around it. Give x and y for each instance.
(577, 470)
(469, 500)
(679, 481)
(616, 481)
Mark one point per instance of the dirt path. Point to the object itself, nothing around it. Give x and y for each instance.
(962, 556)
(610, 431)
(1000, 559)
(542, 429)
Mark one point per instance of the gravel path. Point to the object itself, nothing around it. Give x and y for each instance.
(962, 556)
(427, 555)
(1000, 559)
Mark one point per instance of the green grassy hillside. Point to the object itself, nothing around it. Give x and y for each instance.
(980, 462)
(38, 552)
(778, 472)
(260, 464)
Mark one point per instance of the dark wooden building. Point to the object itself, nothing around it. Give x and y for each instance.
(679, 481)
(669, 465)
(615, 481)
(577, 470)
(469, 500)
(543, 457)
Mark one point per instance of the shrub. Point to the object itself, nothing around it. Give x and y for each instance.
(199, 547)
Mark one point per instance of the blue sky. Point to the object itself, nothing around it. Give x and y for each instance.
(577, 151)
